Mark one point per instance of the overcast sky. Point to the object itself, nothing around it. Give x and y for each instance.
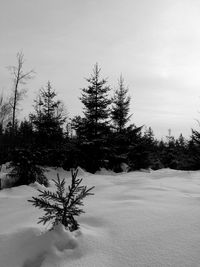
(155, 44)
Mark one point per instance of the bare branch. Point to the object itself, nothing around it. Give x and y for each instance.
(5, 110)
(19, 77)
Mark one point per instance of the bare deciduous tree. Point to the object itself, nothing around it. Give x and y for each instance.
(19, 78)
(5, 110)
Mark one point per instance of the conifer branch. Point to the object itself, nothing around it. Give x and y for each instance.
(62, 206)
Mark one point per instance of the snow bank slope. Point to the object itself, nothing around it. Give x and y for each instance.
(134, 219)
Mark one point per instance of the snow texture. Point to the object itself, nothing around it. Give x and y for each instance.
(134, 219)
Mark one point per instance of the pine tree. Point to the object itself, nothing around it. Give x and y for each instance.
(96, 104)
(194, 150)
(48, 117)
(78, 124)
(196, 137)
(121, 106)
(25, 133)
(62, 206)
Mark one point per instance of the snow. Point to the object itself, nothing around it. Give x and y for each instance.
(134, 219)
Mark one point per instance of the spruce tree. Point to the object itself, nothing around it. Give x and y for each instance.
(25, 169)
(121, 105)
(25, 133)
(63, 205)
(96, 103)
(48, 117)
(194, 150)
(78, 124)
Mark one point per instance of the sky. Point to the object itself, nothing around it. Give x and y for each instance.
(154, 44)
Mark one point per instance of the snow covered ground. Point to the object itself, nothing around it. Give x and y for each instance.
(134, 219)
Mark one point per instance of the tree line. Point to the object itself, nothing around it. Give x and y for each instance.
(101, 138)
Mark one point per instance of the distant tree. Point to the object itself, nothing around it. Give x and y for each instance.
(68, 130)
(49, 116)
(96, 103)
(151, 147)
(170, 139)
(25, 133)
(148, 133)
(175, 153)
(24, 168)
(181, 143)
(5, 111)
(19, 77)
(78, 124)
(194, 149)
(121, 105)
(170, 152)
(149, 139)
(196, 137)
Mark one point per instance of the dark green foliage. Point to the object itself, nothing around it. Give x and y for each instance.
(121, 106)
(99, 139)
(150, 146)
(125, 147)
(137, 153)
(93, 155)
(48, 118)
(79, 125)
(194, 151)
(24, 169)
(87, 155)
(96, 105)
(53, 157)
(176, 154)
(24, 134)
(62, 206)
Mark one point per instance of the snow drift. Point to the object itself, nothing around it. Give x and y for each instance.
(134, 219)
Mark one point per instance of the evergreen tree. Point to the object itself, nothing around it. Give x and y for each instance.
(96, 104)
(48, 117)
(196, 137)
(170, 152)
(151, 148)
(194, 150)
(78, 124)
(24, 168)
(121, 106)
(62, 206)
(149, 139)
(25, 133)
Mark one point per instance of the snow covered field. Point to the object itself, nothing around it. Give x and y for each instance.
(134, 219)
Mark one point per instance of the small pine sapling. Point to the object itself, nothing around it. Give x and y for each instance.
(62, 206)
